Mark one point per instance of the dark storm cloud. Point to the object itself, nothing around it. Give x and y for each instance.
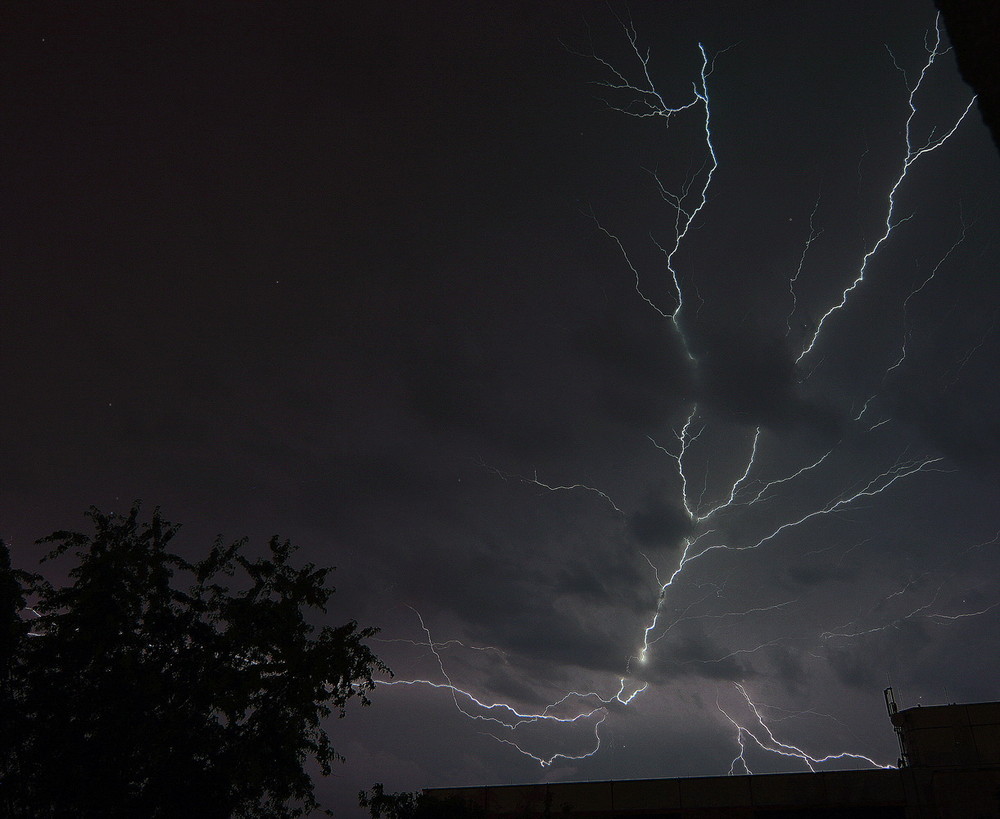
(512, 686)
(556, 640)
(660, 523)
(753, 379)
(331, 275)
(862, 662)
(815, 574)
(957, 423)
(644, 375)
(449, 370)
(785, 664)
(602, 582)
(689, 651)
(542, 609)
(545, 604)
(462, 377)
(855, 667)
(535, 615)
(952, 402)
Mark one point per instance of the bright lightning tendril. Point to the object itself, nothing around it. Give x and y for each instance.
(763, 737)
(747, 489)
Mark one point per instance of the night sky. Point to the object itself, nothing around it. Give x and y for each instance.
(343, 272)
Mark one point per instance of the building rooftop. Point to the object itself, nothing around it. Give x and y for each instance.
(950, 769)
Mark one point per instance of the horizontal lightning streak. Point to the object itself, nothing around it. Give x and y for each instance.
(547, 761)
(722, 616)
(963, 615)
(915, 614)
(521, 717)
(874, 487)
(739, 651)
(439, 645)
(572, 487)
(871, 489)
(567, 488)
(516, 718)
(773, 745)
(793, 476)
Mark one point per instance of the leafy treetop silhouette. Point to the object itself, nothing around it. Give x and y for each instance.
(419, 805)
(127, 693)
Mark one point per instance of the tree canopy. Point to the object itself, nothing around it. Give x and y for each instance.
(154, 686)
(419, 805)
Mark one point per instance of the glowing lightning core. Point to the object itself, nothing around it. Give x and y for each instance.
(748, 488)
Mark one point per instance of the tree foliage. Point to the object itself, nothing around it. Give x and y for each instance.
(419, 805)
(423, 805)
(128, 692)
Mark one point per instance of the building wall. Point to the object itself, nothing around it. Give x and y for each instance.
(776, 796)
(952, 772)
(944, 736)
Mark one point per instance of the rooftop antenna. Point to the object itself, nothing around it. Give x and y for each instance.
(890, 702)
(893, 709)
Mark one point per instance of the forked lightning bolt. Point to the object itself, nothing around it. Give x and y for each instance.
(749, 486)
(764, 738)
(646, 101)
(913, 153)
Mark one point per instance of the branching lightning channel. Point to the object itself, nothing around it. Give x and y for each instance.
(736, 485)
(684, 438)
(446, 644)
(764, 738)
(813, 235)
(501, 713)
(534, 481)
(912, 154)
(646, 101)
(906, 302)
(504, 715)
(507, 716)
(761, 495)
(876, 486)
(685, 615)
(945, 568)
(974, 349)
(707, 523)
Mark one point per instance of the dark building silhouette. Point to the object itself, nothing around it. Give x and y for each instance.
(949, 769)
(974, 30)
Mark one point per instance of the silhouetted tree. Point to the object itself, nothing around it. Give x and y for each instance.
(422, 805)
(128, 693)
(419, 805)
